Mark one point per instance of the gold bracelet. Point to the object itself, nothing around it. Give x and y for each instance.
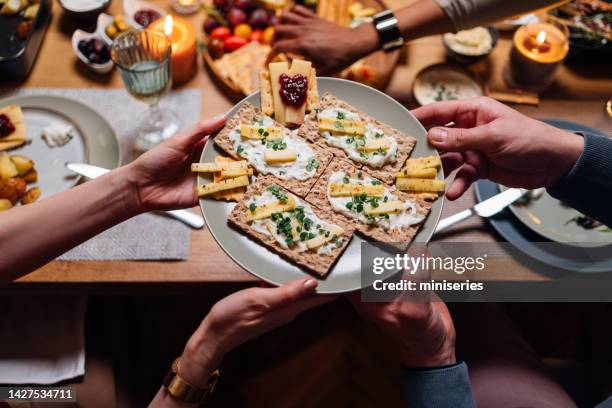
(185, 392)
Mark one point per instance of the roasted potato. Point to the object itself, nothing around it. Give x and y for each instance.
(5, 204)
(31, 177)
(30, 196)
(7, 168)
(12, 189)
(22, 163)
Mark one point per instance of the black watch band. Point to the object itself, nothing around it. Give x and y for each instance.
(385, 23)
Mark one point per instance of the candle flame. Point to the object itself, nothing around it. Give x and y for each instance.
(168, 25)
(541, 38)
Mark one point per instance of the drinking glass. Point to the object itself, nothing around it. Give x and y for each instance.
(144, 61)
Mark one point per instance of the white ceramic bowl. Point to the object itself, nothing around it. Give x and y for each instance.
(130, 7)
(79, 35)
(103, 21)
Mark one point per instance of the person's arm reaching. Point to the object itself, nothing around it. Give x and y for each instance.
(332, 48)
(491, 140)
(160, 179)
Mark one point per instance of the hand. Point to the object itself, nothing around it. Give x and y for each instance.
(240, 317)
(422, 330)
(162, 177)
(491, 140)
(330, 47)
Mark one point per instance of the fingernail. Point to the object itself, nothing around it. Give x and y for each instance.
(310, 284)
(438, 135)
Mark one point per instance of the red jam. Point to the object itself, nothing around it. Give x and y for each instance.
(293, 89)
(145, 17)
(6, 126)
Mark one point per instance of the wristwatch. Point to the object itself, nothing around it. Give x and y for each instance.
(385, 23)
(185, 392)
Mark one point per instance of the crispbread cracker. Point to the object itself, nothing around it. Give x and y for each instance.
(403, 236)
(245, 115)
(318, 264)
(310, 131)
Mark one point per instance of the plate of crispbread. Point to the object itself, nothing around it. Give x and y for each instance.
(281, 227)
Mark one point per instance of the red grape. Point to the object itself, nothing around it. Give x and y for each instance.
(259, 19)
(210, 24)
(243, 4)
(236, 16)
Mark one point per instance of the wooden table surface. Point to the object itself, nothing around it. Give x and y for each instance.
(578, 94)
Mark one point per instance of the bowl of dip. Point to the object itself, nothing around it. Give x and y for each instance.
(84, 9)
(468, 46)
(445, 82)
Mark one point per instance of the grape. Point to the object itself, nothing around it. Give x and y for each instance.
(243, 4)
(236, 17)
(220, 4)
(272, 20)
(259, 19)
(210, 24)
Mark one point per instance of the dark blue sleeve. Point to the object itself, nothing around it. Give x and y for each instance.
(588, 185)
(440, 387)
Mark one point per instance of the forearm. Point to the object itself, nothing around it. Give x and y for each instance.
(163, 399)
(35, 234)
(588, 185)
(440, 387)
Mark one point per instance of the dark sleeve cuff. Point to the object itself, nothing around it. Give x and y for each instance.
(588, 185)
(439, 387)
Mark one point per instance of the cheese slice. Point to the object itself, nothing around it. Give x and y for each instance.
(265, 93)
(319, 240)
(373, 145)
(266, 210)
(15, 115)
(420, 185)
(345, 126)
(348, 190)
(313, 91)
(216, 167)
(233, 173)
(391, 207)
(294, 114)
(223, 185)
(276, 69)
(417, 172)
(235, 194)
(260, 132)
(424, 162)
(280, 156)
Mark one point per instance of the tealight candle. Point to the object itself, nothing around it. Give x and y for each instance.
(184, 48)
(538, 49)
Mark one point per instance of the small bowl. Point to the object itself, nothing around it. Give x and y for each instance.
(427, 85)
(131, 7)
(104, 20)
(470, 59)
(87, 14)
(79, 35)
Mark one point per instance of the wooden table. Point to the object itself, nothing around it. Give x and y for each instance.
(586, 88)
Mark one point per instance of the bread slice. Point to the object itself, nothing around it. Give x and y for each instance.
(386, 173)
(402, 236)
(311, 261)
(245, 115)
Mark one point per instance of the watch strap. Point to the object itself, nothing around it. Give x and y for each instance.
(386, 25)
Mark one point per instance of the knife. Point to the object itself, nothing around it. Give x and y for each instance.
(92, 172)
(485, 209)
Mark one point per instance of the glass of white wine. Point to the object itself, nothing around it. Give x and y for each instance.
(143, 59)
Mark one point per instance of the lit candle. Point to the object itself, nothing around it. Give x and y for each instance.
(538, 50)
(184, 49)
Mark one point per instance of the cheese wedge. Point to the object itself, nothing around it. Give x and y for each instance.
(233, 173)
(373, 145)
(424, 162)
(259, 132)
(417, 172)
(276, 69)
(294, 114)
(420, 185)
(223, 185)
(280, 156)
(391, 207)
(345, 126)
(319, 240)
(216, 167)
(265, 93)
(349, 190)
(266, 210)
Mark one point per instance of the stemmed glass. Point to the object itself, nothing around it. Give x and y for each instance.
(143, 59)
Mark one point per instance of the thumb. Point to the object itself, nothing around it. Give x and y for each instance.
(192, 135)
(289, 293)
(458, 139)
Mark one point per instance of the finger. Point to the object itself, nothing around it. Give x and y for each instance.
(291, 18)
(285, 31)
(451, 161)
(288, 293)
(460, 139)
(303, 11)
(283, 46)
(198, 131)
(466, 175)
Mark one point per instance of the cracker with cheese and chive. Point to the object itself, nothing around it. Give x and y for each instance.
(272, 149)
(305, 235)
(392, 217)
(351, 134)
